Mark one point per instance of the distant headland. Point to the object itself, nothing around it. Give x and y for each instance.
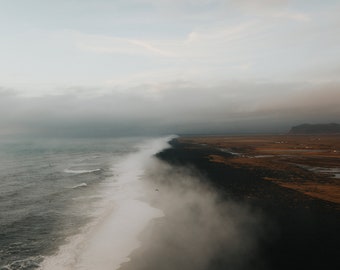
(330, 128)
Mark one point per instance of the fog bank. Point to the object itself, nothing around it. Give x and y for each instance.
(177, 107)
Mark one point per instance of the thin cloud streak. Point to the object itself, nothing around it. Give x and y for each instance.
(107, 44)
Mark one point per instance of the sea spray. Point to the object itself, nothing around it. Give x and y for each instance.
(200, 230)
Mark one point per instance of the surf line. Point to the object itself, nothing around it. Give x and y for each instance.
(108, 241)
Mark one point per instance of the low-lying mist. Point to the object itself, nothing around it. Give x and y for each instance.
(200, 230)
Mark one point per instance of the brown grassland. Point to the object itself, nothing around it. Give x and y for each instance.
(306, 163)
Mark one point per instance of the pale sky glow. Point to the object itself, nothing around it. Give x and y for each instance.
(245, 53)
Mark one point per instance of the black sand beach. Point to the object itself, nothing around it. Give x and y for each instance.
(306, 230)
(296, 231)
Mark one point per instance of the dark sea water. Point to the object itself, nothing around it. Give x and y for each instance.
(110, 204)
(53, 193)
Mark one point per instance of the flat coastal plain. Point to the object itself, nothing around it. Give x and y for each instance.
(309, 164)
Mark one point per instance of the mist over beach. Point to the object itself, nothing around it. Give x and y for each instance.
(154, 134)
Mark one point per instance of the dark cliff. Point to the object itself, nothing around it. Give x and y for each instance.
(331, 128)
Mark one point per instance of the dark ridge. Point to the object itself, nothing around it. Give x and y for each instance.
(331, 128)
(305, 229)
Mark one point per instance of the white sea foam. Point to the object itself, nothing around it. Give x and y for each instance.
(81, 171)
(28, 263)
(80, 185)
(108, 241)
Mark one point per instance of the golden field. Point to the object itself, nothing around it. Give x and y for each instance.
(306, 163)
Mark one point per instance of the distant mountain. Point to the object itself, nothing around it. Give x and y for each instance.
(316, 129)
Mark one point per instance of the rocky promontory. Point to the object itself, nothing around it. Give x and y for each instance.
(330, 128)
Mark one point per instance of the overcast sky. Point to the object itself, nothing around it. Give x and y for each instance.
(120, 67)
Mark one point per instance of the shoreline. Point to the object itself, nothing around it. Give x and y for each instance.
(302, 230)
(122, 215)
(307, 227)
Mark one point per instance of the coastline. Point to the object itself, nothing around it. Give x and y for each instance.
(302, 231)
(306, 227)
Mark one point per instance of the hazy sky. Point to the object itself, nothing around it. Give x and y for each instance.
(100, 67)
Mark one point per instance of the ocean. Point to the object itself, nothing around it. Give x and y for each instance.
(73, 203)
(111, 204)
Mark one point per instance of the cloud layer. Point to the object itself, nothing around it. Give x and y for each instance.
(147, 66)
(177, 107)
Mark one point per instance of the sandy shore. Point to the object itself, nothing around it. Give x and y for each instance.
(299, 230)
